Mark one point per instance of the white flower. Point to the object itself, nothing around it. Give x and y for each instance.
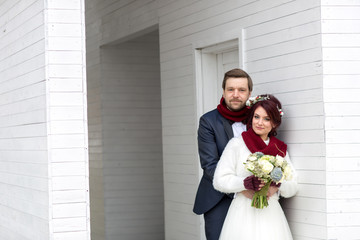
(288, 172)
(279, 161)
(266, 166)
(250, 101)
(268, 158)
(272, 159)
(250, 166)
(252, 158)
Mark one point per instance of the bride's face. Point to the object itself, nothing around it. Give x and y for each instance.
(261, 123)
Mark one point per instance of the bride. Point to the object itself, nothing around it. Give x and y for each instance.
(244, 222)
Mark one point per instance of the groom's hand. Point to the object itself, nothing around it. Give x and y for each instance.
(248, 193)
(272, 190)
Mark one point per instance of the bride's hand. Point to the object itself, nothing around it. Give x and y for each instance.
(248, 193)
(272, 190)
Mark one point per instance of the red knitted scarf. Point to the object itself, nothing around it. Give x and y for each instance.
(256, 144)
(238, 116)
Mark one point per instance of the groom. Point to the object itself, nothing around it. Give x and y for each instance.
(216, 128)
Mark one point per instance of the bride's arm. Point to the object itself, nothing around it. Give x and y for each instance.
(289, 188)
(226, 179)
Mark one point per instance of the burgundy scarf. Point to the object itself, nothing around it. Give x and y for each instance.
(256, 144)
(238, 116)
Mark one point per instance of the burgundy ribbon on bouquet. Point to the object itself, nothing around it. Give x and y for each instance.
(255, 144)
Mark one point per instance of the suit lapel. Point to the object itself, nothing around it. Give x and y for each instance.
(228, 128)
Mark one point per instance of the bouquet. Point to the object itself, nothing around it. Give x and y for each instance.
(269, 169)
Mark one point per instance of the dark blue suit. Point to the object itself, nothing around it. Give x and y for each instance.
(214, 133)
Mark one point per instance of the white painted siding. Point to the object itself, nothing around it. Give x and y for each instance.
(283, 56)
(341, 45)
(24, 202)
(67, 133)
(93, 21)
(38, 199)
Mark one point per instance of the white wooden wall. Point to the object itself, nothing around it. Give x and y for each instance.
(67, 120)
(24, 186)
(284, 58)
(43, 128)
(341, 48)
(93, 36)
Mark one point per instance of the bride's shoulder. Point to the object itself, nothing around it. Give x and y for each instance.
(236, 142)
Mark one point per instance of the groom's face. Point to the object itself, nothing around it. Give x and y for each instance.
(236, 93)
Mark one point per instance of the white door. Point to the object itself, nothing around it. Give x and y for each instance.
(214, 61)
(226, 61)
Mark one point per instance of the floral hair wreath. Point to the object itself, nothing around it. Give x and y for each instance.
(252, 100)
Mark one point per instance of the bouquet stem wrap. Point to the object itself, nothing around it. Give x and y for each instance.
(260, 197)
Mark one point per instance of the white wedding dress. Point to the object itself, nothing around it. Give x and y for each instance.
(244, 222)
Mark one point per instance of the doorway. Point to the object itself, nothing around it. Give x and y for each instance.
(130, 200)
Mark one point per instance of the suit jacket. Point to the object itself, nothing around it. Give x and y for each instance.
(214, 133)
